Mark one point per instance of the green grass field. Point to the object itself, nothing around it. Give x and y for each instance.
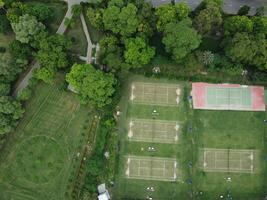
(201, 129)
(137, 189)
(40, 159)
(234, 130)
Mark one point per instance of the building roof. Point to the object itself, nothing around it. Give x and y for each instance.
(101, 188)
(104, 196)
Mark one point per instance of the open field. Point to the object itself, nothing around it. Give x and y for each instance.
(153, 146)
(218, 153)
(230, 131)
(40, 159)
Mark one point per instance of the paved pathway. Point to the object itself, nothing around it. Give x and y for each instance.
(90, 45)
(230, 6)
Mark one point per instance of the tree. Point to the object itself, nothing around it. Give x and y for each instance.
(26, 28)
(260, 24)
(4, 24)
(208, 20)
(4, 89)
(137, 52)
(95, 17)
(42, 12)
(45, 74)
(24, 94)
(248, 49)
(114, 61)
(218, 2)
(2, 4)
(108, 44)
(94, 86)
(15, 10)
(52, 52)
(7, 70)
(123, 21)
(180, 39)
(171, 13)
(10, 112)
(260, 11)
(236, 24)
(207, 57)
(19, 50)
(244, 10)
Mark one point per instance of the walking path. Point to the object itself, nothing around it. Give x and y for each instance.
(90, 45)
(23, 83)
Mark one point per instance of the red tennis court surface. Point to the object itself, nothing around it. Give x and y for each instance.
(228, 97)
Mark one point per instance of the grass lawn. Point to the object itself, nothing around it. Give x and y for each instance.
(231, 130)
(59, 10)
(40, 159)
(201, 129)
(137, 189)
(78, 37)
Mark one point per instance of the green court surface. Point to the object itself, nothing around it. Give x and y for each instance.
(151, 168)
(153, 131)
(155, 93)
(40, 158)
(228, 97)
(229, 160)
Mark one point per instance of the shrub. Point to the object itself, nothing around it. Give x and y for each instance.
(24, 94)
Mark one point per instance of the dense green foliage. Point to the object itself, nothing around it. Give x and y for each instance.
(93, 85)
(137, 52)
(209, 19)
(180, 39)
(26, 28)
(10, 112)
(171, 13)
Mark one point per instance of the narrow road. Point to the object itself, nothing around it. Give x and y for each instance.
(90, 45)
(229, 6)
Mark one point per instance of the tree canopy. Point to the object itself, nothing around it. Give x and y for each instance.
(10, 111)
(180, 39)
(26, 28)
(171, 13)
(93, 86)
(208, 20)
(121, 20)
(248, 49)
(137, 52)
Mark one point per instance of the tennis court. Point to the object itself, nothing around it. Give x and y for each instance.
(151, 168)
(155, 93)
(228, 97)
(153, 131)
(229, 160)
